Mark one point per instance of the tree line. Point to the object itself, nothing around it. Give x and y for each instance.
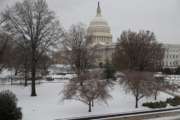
(35, 31)
(137, 55)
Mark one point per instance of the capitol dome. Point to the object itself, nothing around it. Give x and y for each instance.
(98, 24)
(99, 29)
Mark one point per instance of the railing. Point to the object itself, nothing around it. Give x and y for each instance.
(122, 114)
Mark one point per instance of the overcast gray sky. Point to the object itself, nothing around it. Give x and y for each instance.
(160, 16)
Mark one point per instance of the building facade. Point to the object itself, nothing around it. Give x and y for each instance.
(100, 32)
(172, 56)
(101, 37)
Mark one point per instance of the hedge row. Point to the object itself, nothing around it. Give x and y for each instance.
(162, 104)
(173, 101)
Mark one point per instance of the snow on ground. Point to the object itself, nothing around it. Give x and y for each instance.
(6, 73)
(49, 106)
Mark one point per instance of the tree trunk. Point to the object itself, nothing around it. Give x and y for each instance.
(16, 72)
(89, 106)
(25, 81)
(78, 75)
(11, 80)
(81, 83)
(155, 96)
(25, 75)
(33, 75)
(136, 106)
(92, 103)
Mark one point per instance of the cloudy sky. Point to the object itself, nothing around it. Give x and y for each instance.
(160, 16)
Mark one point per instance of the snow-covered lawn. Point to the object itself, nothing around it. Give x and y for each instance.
(49, 106)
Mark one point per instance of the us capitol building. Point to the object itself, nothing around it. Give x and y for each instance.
(101, 35)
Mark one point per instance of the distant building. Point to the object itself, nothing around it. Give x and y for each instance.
(172, 56)
(101, 37)
(99, 30)
(100, 33)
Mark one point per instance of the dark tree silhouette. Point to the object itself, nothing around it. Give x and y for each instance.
(36, 26)
(8, 106)
(5, 49)
(77, 51)
(94, 89)
(138, 51)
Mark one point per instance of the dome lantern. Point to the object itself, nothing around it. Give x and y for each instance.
(98, 10)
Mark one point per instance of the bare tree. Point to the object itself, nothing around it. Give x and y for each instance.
(159, 83)
(77, 51)
(37, 25)
(89, 85)
(138, 51)
(94, 88)
(44, 63)
(109, 73)
(144, 84)
(5, 49)
(138, 83)
(21, 61)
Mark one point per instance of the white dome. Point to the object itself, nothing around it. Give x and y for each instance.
(99, 30)
(98, 20)
(98, 24)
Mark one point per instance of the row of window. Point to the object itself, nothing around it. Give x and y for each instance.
(172, 56)
(171, 63)
(172, 50)
(103, 39)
